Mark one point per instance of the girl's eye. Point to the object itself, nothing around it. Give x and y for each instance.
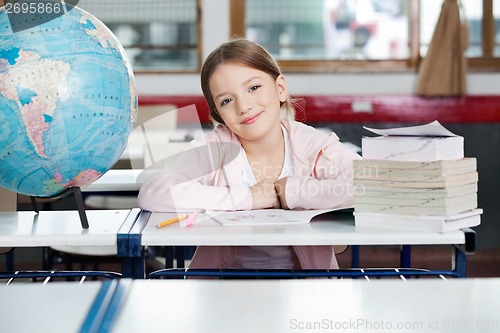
(225, 101)
(253, 88)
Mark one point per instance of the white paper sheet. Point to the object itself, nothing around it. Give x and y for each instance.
(265, 217)
(431, 129)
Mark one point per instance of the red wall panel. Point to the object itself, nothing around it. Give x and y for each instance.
(385, 108)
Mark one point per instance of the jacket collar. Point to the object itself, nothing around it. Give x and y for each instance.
(307, 145)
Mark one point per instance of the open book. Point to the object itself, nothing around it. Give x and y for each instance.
(265, 217)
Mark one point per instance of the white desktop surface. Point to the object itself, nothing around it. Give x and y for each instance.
(53, 228)
(137, 140)
(275, 306)
(321, 231)
(53, 307)
(117, 180)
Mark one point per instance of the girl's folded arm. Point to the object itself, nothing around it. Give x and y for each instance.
(167, 192)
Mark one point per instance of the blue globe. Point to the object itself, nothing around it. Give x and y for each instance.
(67, 103)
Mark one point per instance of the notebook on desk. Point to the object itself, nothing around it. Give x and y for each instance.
(264, 217)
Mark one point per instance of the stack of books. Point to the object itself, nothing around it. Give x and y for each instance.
(416, 178)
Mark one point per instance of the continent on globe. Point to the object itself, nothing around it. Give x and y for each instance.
(22, 78)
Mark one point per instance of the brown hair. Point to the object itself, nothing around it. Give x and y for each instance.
(245, 52)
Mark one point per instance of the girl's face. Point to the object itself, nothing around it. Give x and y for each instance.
(248, 100)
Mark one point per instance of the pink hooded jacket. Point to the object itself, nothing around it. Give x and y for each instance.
(208, 176)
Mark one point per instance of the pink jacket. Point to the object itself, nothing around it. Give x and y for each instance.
(208, 176)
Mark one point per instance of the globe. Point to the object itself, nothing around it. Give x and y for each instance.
(68, 102)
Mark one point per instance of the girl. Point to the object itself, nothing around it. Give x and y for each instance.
(256, 157)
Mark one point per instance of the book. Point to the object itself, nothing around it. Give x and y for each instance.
(388, 176)
(429, 142)
(401, 195)
(404, 209)
(389, 191)
(419, 182)
(408, 201)
(265, 217)
(372, 169)
(441, 224)
(401, 148)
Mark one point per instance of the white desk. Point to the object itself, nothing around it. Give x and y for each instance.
(118, 180)
(321, 231)
(138, 140)
(327, 229)
(54, 307)
(60, 228)
(275, 306)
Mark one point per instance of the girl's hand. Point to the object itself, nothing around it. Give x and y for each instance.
(279, 187)
(264, 195)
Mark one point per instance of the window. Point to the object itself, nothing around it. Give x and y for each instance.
(496, 16)
(364, 35)
(330, 29)
(483, 18)
(158, 35)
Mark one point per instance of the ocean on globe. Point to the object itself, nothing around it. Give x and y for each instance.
(68, 102)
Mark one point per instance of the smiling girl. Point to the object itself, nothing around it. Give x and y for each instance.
(256, 157)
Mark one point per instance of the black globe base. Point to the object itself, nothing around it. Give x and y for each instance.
(77, 195)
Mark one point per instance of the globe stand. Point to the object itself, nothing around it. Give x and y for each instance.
(77, 194)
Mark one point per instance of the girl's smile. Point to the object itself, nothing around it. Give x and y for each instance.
(252, 119)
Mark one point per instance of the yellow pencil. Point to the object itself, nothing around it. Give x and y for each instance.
(173, 220)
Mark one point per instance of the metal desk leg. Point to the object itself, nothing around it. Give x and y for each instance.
(122, 252)
(355, 256)
(9, 260)
(128, 244)
(133, 263)
(168, 254)
(139, 266)
(459, 263)
(180, 256)
(136, 250)
(135, 258)
(405, 256)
